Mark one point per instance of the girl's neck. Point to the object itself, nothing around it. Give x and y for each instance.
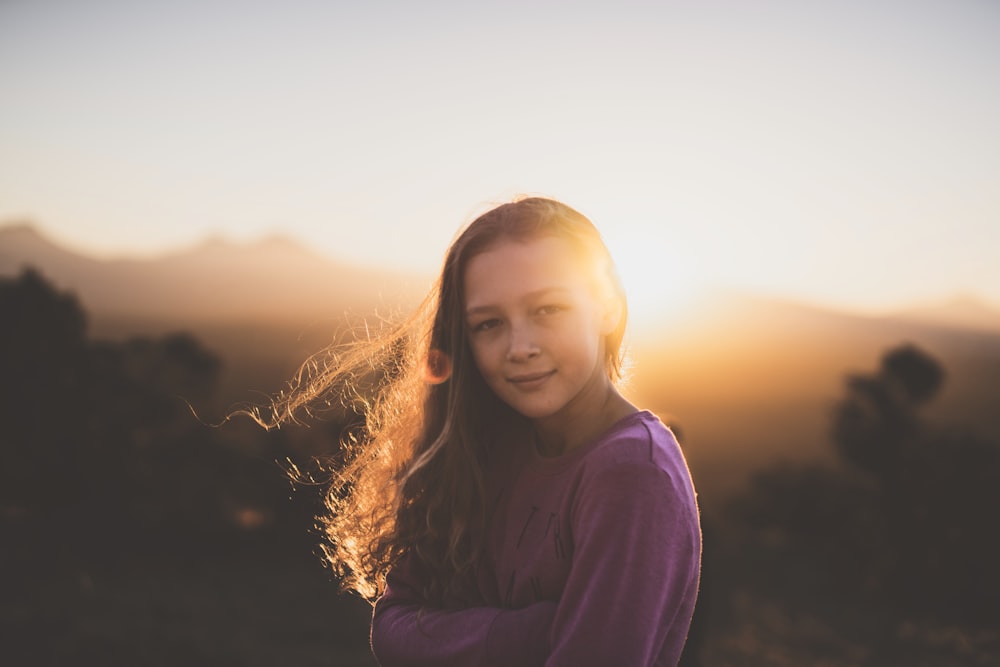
(561, 434)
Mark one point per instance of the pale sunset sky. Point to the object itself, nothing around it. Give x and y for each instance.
(845, 152)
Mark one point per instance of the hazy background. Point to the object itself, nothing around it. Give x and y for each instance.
(842, 152)
(791, 191)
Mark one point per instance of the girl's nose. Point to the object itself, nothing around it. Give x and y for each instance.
(522, 344)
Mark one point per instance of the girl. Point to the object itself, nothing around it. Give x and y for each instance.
(509, 505)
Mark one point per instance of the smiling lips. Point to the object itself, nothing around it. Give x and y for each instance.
(530, 380)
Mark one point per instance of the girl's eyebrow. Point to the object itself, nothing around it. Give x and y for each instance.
(530, 296)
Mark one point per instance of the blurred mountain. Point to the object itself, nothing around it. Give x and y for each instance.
(751, 379)
(274, 279)
(964, 311)
(745, 378)
(264, 307)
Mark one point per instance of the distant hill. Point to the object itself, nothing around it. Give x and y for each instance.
(752, 379)
(747, 379)
(965, 311)
(263, 306)
(271, 280)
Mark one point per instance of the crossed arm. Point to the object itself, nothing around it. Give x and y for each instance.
(630, 592)
(406, 633)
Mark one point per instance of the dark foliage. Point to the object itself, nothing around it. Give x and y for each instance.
(133, 533)
(908, 518)
(876, 424)
(107, 474)
(105, 432)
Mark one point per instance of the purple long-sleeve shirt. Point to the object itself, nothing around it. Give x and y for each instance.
(593, 559)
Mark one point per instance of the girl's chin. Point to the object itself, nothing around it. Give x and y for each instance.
(534, 412)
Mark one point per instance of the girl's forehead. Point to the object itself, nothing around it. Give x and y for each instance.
(544, 254)
(511, 267)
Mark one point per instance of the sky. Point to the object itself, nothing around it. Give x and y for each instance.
(841, 152)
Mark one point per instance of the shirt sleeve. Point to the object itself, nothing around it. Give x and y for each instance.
(407, 633)
(630, 593)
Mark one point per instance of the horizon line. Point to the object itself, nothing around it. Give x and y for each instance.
(962, 296)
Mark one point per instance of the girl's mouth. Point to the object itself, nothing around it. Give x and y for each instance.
(530, 380)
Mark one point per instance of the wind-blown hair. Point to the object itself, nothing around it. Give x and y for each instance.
(414, 477)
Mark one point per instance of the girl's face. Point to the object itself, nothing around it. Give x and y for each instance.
(537, 328)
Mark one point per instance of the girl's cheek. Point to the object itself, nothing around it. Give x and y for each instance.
(479, 357)
(489, 339)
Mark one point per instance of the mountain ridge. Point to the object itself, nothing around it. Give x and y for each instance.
(278, 276)
(272, 279)
(747, 378)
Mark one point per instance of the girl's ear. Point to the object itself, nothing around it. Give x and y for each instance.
(612, 314)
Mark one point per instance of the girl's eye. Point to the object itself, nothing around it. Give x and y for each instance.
(550, 309)
(485, 325)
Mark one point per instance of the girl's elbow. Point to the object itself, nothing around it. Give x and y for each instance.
(391, 627)
(384, 651)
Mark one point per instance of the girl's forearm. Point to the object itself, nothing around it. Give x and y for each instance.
(412, 635)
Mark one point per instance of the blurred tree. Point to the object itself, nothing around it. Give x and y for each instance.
(937, 487)
(87, 425)
(878, 419)
(43, 361)
(106, 473)
(910, 515)
(99, 439)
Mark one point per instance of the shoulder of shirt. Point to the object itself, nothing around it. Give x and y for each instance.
(635, 459)
(642, 439)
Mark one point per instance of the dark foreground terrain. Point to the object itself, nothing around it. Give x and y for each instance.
(133, 533)
(760, 607)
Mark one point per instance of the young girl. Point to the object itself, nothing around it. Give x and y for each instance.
(509, 505)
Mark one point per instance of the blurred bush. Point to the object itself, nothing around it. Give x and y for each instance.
(909, 514)
(101, 447)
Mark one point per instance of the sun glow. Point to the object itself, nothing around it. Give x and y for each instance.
(658, 282)
(661, 273)
(833, 153)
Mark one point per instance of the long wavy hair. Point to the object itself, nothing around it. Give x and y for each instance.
(413, 477)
